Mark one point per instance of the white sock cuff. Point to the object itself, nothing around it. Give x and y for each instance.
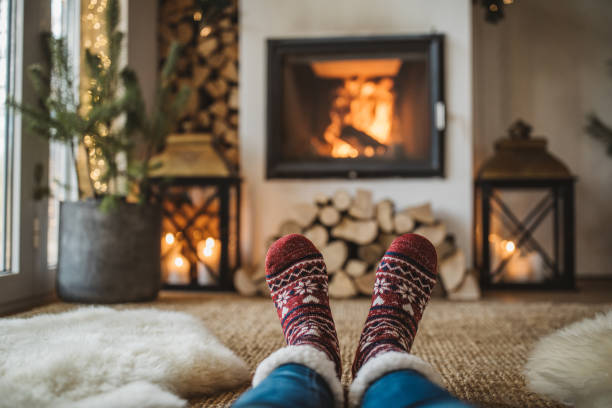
(305, 355)
(383, 364)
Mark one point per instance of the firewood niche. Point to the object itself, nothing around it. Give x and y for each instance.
(353, 232)
(208, 66)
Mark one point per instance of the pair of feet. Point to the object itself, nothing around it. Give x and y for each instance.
(297, 276)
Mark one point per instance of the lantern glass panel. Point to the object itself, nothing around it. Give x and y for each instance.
(524, 234)
(200, 229)
(521, 239)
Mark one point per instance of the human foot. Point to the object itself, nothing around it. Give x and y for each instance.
(297, 277)
(405, 278)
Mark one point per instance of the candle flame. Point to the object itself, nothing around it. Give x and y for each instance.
(178, 261)
(510, 247)
(210, 242)
(169, 238)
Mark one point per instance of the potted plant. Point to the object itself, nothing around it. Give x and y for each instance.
(109, 247)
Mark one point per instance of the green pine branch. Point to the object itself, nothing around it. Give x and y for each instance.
(115, 94)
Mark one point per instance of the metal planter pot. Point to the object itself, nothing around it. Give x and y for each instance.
(111, 257)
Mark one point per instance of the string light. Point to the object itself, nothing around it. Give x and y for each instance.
(93, 37)
(205, 32)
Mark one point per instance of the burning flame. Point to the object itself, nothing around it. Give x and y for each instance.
(366, 106)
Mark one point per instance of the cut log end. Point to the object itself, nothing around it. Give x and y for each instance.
(342, 286)
(335, 254)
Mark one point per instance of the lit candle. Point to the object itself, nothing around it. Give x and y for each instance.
(519, 266)
(204, 276)
(518, 269)
(178, 270)
(209, 251)
(167, 243)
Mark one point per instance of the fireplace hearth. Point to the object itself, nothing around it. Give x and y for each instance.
(356, 107)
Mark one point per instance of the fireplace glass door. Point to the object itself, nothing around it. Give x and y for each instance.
(355, 107)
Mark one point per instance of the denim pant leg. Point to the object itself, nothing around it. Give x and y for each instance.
(408, 389)
(290, 385)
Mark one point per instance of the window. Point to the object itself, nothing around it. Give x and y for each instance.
(6, 138)
(62, 180)
(24, 277)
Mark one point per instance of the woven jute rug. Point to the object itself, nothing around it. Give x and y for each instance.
(478, 347)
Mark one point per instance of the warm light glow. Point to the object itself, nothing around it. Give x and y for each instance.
(197, 16)
(178, 261)
(367, 107)
(94, 38)
(169, 238)
(509, 247)
(205, 32)
(208, 247)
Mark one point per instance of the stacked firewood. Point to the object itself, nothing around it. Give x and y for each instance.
(208, 65)
(353, 233)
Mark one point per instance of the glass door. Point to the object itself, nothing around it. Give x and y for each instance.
(22, 156)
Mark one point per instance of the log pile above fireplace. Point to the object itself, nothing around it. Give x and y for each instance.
(355, 107)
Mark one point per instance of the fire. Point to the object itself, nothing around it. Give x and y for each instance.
(361, 118)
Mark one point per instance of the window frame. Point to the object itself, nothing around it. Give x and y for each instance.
(29, 283)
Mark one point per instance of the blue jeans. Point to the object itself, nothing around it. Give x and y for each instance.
(295, 385)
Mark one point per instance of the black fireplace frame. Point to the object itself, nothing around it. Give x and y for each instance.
(278, 49)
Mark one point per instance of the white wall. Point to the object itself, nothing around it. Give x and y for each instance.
(545, 63)
(266, 203)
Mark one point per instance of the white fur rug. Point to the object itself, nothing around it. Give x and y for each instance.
(100, 357)
(574, 364)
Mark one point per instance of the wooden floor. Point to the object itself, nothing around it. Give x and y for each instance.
(588, 291)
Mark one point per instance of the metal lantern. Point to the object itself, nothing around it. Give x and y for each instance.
(524, 215)
(200, 199)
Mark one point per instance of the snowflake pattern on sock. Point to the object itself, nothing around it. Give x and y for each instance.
(297, 277)
(405, 278)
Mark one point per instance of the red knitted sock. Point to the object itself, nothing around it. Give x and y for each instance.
(404, 280)
(297, 277)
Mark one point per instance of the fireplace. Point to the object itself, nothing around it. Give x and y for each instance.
(355, 107)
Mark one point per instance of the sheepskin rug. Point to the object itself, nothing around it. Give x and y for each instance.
(100, 357)
(574, 364)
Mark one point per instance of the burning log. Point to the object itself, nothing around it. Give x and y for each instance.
(361, 140)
